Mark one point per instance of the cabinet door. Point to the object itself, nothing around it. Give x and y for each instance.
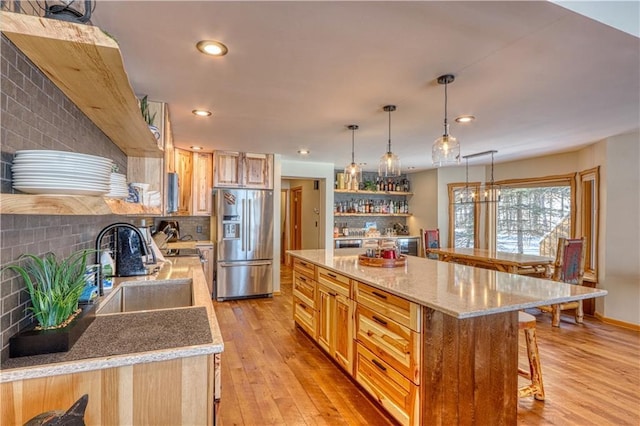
(202, 179)
(184, 170)
(326, 318)
(207, 265)
(343, 347)
(228, 169)
(257, 171)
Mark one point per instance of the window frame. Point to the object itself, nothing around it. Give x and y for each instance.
(589, 226)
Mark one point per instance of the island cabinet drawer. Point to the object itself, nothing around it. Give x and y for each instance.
(396, 308)
(337, 282)
(305, 268)
(305, 316)
(396, 344)
(304, 288)
(398, 395)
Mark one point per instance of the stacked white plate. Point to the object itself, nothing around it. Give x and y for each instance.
(60, 172)
(118, 186)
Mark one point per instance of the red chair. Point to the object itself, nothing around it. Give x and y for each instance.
(568, 268)
(431, 240)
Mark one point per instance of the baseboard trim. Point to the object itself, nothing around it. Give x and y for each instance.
(623, 324)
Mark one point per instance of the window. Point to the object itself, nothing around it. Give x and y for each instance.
(589, 192)
(530, 216)
(463, 230)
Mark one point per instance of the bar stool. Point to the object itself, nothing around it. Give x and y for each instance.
(527, 323)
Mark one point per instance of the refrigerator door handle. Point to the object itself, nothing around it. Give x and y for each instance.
(250, 263)
(243, 228)
(248, 229)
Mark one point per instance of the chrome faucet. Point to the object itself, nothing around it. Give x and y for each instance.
(120, 257)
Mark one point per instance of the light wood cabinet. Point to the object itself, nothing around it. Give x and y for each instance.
(243, 170)
(335, 326)
(388, 346)
(202, 183)
(304, 297)
(178, 391)
(397, 394)
(184, 169)
(207, 266)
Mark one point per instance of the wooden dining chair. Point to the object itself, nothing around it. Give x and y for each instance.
(568, 268)
(431, 239)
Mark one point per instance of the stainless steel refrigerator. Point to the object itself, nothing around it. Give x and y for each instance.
(244, 243)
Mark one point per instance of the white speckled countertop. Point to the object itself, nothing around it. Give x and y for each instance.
(135, 337)
(457, 290)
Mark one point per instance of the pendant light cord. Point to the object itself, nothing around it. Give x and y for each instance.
(389, 150)
(353, 132)
(446, 123)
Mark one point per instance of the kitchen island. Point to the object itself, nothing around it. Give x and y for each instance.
(432, 342)
(145, 367)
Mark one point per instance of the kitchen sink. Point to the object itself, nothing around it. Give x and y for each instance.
(148, 295)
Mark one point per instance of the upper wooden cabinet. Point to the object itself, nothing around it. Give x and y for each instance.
(202, 183)
(86, 65)
(242, 170)
(184, 169)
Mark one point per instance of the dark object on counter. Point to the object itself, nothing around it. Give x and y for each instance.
(168, 227)
(130, 245)
(74, 416)
(183, 252)
(37, 342)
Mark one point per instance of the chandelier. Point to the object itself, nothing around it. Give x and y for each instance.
(389, 164)
(487, 192)
(353, 172)
(446, 149)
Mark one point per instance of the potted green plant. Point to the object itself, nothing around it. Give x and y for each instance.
(149, 118)
(55, 287)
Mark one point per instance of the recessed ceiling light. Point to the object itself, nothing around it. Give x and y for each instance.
(411, 167)
(212, 47)
(196, 148)
(465, 119)
(303, 151)
(201, 112)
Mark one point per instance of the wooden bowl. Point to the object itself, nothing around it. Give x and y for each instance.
(381, 262)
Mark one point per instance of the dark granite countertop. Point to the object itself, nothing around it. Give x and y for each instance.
(112, 335)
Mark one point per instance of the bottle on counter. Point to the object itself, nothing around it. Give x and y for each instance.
(108, 267)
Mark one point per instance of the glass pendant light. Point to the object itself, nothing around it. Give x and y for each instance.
(446, 149)
(353, 172)
(389, 162)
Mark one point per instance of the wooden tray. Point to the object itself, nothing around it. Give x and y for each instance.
(381, 262)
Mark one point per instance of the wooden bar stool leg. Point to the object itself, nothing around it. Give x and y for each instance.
(528, 324)
(579, 312)
(555, 315)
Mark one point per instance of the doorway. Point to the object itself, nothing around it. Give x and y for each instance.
(296, 218)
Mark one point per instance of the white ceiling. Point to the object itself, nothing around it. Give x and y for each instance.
(539, 78)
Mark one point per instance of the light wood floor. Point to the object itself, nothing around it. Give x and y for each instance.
(273, 374)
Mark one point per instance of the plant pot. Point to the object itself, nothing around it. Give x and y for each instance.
(37, 342)
(155, 131)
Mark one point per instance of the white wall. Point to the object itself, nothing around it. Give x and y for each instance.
(620, 266)
(312, 202)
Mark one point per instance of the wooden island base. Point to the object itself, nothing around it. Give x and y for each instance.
(469, 369)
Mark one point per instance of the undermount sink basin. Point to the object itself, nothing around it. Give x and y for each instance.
(148, 295)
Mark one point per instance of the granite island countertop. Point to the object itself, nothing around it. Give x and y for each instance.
(457, 290)
(134, 337)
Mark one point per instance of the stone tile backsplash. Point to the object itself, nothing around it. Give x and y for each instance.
(37, 115)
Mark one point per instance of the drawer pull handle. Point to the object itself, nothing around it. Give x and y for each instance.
(379, 320)
(332, 275)
(381, 296)
(303, 305)
(303, 263)
(333, 294)
(302, 279)
(379, 365)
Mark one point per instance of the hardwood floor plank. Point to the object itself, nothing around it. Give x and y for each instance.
(272, 373)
